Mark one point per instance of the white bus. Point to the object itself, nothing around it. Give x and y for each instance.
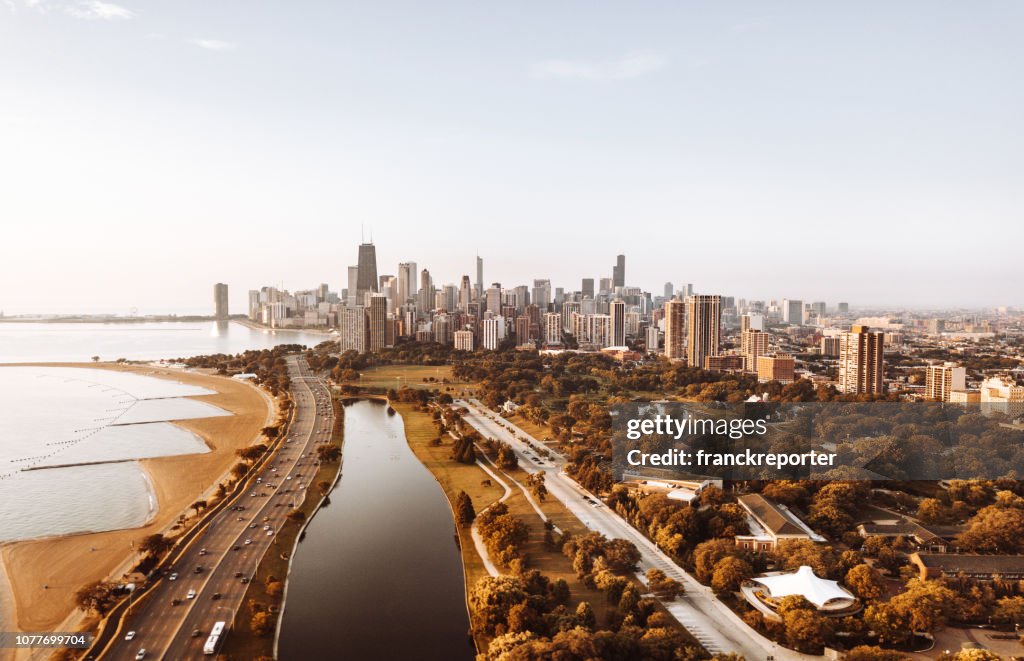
(216, 636)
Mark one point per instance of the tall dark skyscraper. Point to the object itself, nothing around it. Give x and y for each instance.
(366, 279)
(619, 271)
(587, 287)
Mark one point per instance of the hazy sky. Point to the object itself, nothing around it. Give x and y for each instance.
(863, 151)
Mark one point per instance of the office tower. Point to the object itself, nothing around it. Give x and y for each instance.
(366, 279)
(254, 304)
(819, 308)
(552, 328)
(451, 298)
(353, 329)
(378, 312)
(465, 294)
(600, 330)
(532, 312)
(587, 287)
(321, 292)
(751, 322)
(479, 276)
(675, 329)
(425, 297)
(942, 380)
(936, 326)
(776, 368)
(493, 298)
(494, 332)
(652, 339)
(844, 308)
(442, 328)
(753, 343)
(353, 285)
(619, 271)
(541, 296)
(861, 366)
(686, 291)
(406, 282)
(669, 291)
(220, 301)
(1002, 395)
(569, 308)
(559, 296)
(463, 340)
(617, 312)
(830, 347)
(704, 323)
(793, 312)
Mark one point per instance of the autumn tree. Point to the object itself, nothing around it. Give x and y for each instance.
(865, 581)
(97, 597)
(464, 512)
(729, 573)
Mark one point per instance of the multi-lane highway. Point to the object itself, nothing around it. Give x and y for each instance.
(708, 619)
(208, 580)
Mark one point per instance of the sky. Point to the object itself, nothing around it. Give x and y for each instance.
(870, 152)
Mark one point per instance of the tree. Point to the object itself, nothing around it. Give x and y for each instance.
(663, 586)
(506, 457)
(97, 597)
(155, 544)
(537, 486)
(1010, 610)
(585, 616)
(328, 452)
(262, 623)
(868, 653)
(198, 506)
(95, 359)
(296, 516)
(324, 487)
(994, 529)
(865, 581)
(464, 512)
(729, 573)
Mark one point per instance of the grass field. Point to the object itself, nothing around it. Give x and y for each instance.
(413, 376)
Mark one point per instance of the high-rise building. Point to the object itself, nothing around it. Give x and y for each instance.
(479, 276)
(752, 321)
(587, 287)
(569, 308)
(617, 311)
(669, 290)
(378, 313)
(541, 296)
(493, 298)
(366, 279)
(686, 291)
(652, 339)
(600, 330)
(465, 294)
(776, 368)
(819, 308)
(552, 328)
(220, 301)
(425, 296)
(675, 329)
(942, 380)
(1002, 395)
(793, 312)
(254, 304)
(753, 343)
(463, 340)
(843, 308)
(861, 366)
(494, 332)
(830, 347)
(619, 271)
(704, 325)
(406, 283)
(353, 328)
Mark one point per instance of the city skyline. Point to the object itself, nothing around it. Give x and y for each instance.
(759, 151)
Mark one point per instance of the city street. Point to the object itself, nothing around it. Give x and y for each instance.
(171, 624)
(717, 627)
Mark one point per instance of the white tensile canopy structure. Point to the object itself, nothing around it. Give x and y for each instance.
(824, 594)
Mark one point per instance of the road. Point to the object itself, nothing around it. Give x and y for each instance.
(233, 543)
(713, 623)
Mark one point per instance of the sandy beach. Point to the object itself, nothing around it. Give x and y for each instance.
(64, 564)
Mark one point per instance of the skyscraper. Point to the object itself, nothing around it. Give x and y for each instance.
(704, 322)
(943, 379)
(378, 312)
(619, 271)
(617, 311)
(793, 311)
(465, 294)
(669, 290)
(353, 327)
(675, 329)
(220, 301)
(366, 271)
(861, 366)
(479, 276)
(406, 282)
(587, 287)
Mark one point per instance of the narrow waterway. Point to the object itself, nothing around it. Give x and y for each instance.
(378, 575)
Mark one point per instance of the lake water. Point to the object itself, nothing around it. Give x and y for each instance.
(56, 342)
(378, 575)
(69, 438)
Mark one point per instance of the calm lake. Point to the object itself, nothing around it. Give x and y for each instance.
(378, 575)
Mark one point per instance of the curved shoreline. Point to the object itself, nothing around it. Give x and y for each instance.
(176, 481)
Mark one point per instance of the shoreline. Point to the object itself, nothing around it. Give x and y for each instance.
(252, 325)
(175, 481)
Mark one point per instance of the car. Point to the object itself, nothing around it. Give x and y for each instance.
(266, 527)
(129, 635)
(175, 602)
(241, 518)
(252, 525)
(191, 594)
(270, 533)
(198, 569)
(245, 579)
(252, 495)
(196, 633)
(173, 577)
(238, 574)
(289, 477)
(248, 542)
(202, 551)
(235, 547)
(141, 654)
(216, 596)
